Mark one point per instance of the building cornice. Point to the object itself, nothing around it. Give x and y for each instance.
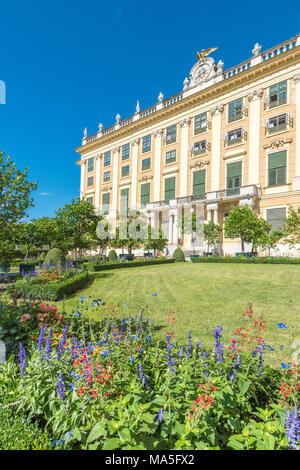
(246, 77)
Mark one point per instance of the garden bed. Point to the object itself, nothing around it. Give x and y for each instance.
(127, 264)
(52, 290)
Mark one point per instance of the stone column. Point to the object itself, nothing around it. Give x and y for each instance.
(97, 182)
(296, 183)
(135, 150)
(184, 153)
(254, 99)
(170, 229)
(114, 204)
(157, 161)
(209, 215)
(216, 113)
(82, 178)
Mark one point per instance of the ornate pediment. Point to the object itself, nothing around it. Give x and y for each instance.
(145, 179)
(199, 164)
(106, 188)
(277, 143)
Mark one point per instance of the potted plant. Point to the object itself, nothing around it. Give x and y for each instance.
(6, 255)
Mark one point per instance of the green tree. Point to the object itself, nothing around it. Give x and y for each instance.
(211, 233)
(155, 240)
(15, 193)
(30, 235)
(269, 240)
(243, 223)
(77, 222)
(292, 226)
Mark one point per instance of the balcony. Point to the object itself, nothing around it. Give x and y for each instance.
(243, 192)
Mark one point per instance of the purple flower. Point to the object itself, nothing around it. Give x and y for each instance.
(22, 357)
(262, 350)
(143, 377)
(160, 415)
(235, 368)
(292, 427)
(218, 344)
(41, 338)
(60, 387)
(189, 346)
(61, 344)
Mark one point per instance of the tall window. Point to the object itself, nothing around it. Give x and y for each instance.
(146, 143)
(124, 200)
(146, 164)
(200, 123)
(105, 203)
(199, 182)
(106, 159)
(277, 123)
(125, 152)
(235, 110)
(171, 156)
(234, 137)
(277, 168)
(170, 188)
(106, 176)
(200, 147)
(234, 178)
(90, 181)
(171, 134)
(276, 217)
(90, 164)
(90, 200)
(145, 194)
(125, 171)
(278, 94)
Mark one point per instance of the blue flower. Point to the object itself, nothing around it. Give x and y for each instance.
(281, 325)
(270, 347)
(285, 366)
(154, 295)
(105, 353)
(132, 359)
(100, 342)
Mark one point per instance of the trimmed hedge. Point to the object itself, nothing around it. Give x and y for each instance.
(178, 255)
(55, 257)
(231, 259)
(128, 264)
(53, 290)
(18, 433)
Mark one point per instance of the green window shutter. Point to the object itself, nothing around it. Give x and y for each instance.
(170, 188)
(105, 203)
(276, 217)
(277, 160)
(145, 194)
(234, 169)
(199, 182)
(124, 200)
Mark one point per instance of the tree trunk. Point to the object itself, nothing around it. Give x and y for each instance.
(242, 245)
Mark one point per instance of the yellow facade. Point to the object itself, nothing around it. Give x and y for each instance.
(253, 111)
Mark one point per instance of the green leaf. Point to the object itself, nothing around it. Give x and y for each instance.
(236, 445)
(243, 385)
(96, 432)
(112, 443)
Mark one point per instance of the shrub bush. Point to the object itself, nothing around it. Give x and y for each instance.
(178, 255)
(53, 290)
(232, 259)
(112, 255)
(55, 257)
(127, 264)
(19, 433)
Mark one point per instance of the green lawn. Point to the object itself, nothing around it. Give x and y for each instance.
(204, 296)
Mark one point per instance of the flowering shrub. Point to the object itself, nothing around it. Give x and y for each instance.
(120, 388)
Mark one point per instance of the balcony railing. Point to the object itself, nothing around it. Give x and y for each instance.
(242, 192)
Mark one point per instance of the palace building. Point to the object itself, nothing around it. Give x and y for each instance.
(230, 137)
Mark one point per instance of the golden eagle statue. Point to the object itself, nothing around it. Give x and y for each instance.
(205, 52)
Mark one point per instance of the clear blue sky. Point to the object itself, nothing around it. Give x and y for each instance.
(70, 64)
